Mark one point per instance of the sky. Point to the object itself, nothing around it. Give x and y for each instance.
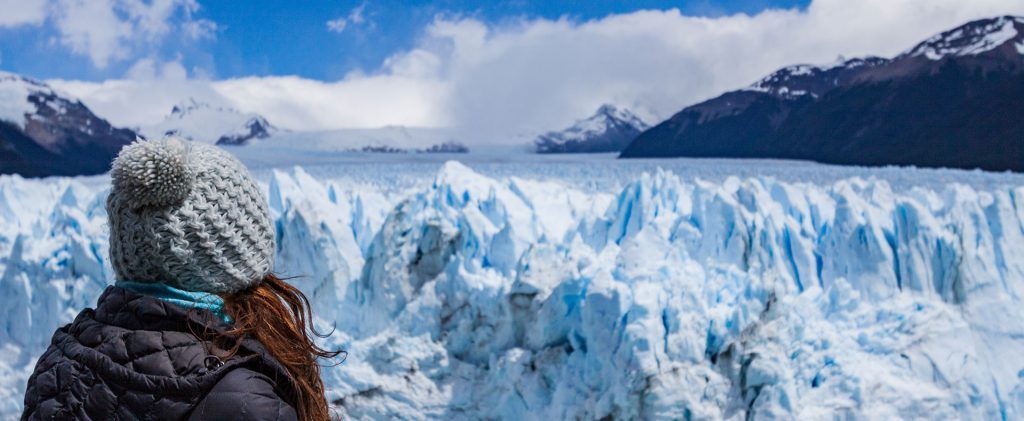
(322, 40)
(494, 70)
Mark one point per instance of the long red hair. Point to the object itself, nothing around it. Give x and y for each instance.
(279, 316)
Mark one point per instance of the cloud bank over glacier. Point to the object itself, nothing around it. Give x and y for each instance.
(480, 297)
(519, 76)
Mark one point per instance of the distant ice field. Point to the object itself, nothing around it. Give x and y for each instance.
(597, 172)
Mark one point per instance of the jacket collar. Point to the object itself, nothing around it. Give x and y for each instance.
(131, 310)
(179, 297)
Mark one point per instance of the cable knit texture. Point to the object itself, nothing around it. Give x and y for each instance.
(188, 215)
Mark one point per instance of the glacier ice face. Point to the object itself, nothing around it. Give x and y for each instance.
(481, 297)
(52, 264)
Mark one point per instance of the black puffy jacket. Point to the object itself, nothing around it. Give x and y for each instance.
(135, 357)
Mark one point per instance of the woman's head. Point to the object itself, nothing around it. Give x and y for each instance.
(188, 215)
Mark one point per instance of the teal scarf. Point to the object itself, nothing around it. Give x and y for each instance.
(180, 297)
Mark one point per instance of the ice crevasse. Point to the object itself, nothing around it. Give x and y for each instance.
(477, 297)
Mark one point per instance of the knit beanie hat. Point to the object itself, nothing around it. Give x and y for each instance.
(187, 215)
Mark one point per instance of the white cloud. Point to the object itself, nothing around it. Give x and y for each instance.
(22, 12)
(496, 82)
(354, 17)
(108, 30)
(196, 29)
(150, 69)
(407, 92)
(146, 94)
(199, 29)
(137, 102)
(337, 25)
(543, 74)
(374, 101)
(90, 27)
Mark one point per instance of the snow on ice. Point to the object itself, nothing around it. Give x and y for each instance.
(512, 298)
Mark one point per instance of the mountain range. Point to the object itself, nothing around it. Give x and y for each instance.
(954, 100)
(44, 133)
(208, 123)
(610, 129)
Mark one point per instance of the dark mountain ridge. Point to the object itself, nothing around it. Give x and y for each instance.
(53, 135)
(954, 100)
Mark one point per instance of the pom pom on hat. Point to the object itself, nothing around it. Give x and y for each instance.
(154, 173)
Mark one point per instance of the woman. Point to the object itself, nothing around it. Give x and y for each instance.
(196, 326)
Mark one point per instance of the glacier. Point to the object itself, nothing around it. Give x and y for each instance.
(474, 295)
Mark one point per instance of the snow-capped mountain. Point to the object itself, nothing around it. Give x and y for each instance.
(978, 37)
(204, 122)
(953, 100)
(610, 129)
(1001, 37)
(803, 79)
(44, 132)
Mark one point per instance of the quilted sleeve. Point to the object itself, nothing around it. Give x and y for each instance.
(243, 394)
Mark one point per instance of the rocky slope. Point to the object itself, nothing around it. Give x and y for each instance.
(43, 132)
(954, 100)
(610, 129)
